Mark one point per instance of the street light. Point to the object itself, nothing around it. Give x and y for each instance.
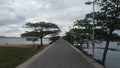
(93, 33)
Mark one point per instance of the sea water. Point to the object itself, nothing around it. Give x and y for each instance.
(113, 56)
(20, 41)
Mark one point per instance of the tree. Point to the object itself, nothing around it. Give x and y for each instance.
(83, 31)
(54, 36)
(53, 39)
(83, 24)
(41, 29)
(68, 37)
(30, 36)
(109, 16)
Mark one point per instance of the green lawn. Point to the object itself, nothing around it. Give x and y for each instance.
(10, 57)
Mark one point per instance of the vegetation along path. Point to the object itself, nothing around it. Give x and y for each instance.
(60, 55)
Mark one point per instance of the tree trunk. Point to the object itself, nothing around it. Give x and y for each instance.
(93, 49)
(87, 45)
(105, 52)
(81, 44)
(33, 42)
(34, 46)
(41, 40)
(106, 47)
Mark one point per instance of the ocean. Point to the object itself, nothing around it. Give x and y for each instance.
(113, 55)
(20, 41)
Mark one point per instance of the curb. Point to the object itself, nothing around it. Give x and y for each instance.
(33, 58)
(90, 60)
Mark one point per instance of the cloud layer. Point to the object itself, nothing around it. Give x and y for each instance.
(15, 13)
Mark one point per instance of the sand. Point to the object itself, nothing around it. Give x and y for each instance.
(21, 45)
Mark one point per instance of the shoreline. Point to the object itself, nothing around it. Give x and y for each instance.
(21, 45)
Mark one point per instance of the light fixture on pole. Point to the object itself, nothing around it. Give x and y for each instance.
(93, 32)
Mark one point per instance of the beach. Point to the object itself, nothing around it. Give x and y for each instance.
(22, 45)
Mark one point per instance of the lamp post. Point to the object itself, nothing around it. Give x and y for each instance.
(93, 32)
(69, 34)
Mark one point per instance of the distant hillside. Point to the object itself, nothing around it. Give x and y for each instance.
(2, 36)
(8, 37)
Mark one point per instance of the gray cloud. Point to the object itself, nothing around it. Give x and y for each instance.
(61, 12)
(12, 20)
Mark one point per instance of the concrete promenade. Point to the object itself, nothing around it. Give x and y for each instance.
(59, 55)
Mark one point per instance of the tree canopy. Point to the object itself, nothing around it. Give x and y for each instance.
(40, 29)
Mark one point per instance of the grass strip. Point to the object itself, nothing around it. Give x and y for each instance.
(10, 57)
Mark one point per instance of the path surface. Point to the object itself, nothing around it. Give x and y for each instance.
(60, 55)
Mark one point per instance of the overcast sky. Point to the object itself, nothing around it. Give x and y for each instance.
(15, 13)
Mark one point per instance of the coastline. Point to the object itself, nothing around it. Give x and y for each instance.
(21, 45)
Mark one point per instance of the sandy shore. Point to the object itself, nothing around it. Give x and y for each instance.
(21, 45)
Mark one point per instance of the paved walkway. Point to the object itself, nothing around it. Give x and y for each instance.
(60, 55)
